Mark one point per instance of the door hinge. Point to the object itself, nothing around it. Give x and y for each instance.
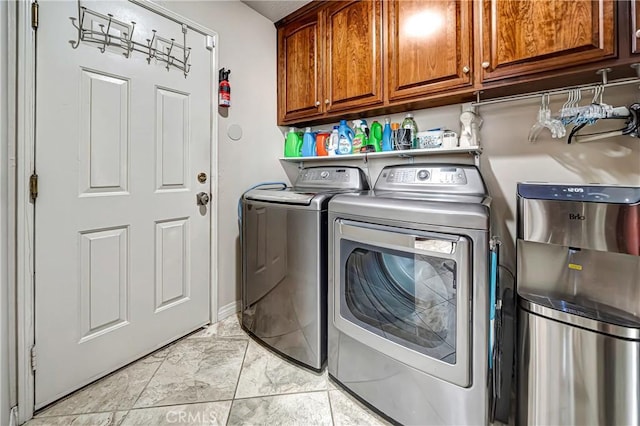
(33, 358)
(34, 15)
(33, 186)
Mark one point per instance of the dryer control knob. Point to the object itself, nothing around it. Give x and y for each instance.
(324, 174)
(423, 174)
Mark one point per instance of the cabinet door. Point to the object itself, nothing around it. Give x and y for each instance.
(299, 80)
(428, 46)
(353, 69)
(525, 37)
(635, 26)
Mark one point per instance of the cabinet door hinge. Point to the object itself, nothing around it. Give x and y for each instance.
(34, 15)
(33, 359)
(33, 186)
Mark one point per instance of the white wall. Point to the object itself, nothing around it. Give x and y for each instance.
(246, 46)
(4, 282)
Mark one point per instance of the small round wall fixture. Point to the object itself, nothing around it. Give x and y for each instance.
(234, 131)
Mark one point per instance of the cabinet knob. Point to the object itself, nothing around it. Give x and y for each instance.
(317, 103)
(638, 34)
(485, 65)
(326, 101)
(465, 70)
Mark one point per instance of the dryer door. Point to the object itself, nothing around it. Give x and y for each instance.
(406, 294)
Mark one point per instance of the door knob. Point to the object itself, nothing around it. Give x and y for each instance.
(202, 198)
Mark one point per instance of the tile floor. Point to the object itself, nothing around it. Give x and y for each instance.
(215, 376)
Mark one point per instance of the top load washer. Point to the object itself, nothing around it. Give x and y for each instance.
(284, 262)
(409, 294)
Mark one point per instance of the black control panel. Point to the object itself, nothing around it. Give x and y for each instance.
(588, 193)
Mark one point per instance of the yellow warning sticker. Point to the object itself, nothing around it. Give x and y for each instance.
(575, 267)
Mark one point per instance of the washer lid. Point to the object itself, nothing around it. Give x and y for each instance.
(286, 196)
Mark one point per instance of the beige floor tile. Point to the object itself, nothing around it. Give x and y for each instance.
(196, 370)
(210, 413)
(297, 409)
(265, 373)
(228, 327)
(98, 419)
(115, 392)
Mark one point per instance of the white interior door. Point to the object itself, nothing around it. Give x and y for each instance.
(122, 249)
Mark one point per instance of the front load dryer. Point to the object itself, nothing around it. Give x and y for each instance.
(409, 294)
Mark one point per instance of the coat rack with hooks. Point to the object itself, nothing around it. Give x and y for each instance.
(105, 31)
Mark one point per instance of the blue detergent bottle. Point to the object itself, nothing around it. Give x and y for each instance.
(309, 143)
(345, 140)
(386, 136)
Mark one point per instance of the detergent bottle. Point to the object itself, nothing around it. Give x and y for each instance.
(386, 136)
(375, 136)
(293, 143)
(309, 143)
(332, 142)
(360, 137)
(345, 140)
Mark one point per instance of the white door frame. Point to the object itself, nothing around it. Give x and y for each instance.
(22, 57)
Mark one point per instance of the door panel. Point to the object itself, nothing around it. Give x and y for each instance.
(123, 251)
(429, 46)
(353, 64)
(523, 37)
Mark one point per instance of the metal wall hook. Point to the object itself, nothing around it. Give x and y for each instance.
(119, 35)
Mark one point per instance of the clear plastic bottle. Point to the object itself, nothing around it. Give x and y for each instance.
(410, 124)
(332, 142)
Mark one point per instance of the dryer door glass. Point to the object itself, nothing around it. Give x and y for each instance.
(407, 298)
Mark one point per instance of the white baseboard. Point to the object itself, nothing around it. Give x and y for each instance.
(13, 417)
(228, 310)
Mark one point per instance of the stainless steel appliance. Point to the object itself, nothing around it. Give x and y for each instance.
(284, 252)
(409, 296)
(578, 283)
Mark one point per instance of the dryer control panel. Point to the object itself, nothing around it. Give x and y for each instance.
(428, 175)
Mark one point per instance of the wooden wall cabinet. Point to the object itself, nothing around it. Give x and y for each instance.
(350, 57)
(299, 67)
(353, 65)
(330, 60)
(428, 46)
(520, 38)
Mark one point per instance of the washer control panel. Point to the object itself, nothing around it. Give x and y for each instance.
(329, 177)
(426, 175)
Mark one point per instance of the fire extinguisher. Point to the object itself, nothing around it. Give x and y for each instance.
(224, 90)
